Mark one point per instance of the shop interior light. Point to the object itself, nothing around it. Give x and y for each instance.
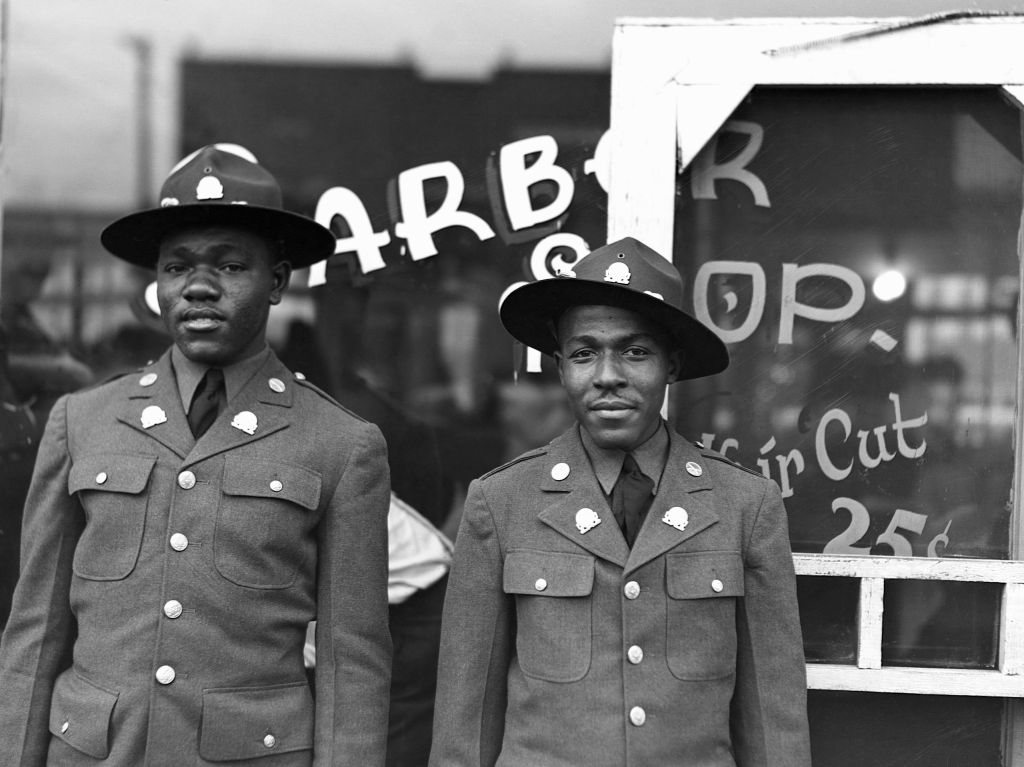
(889, 285)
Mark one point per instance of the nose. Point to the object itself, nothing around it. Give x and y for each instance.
(609, 373)
(202, 285)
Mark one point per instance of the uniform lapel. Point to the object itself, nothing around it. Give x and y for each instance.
(153, 407)
(259, 404)
(685, 484)
(575, 493)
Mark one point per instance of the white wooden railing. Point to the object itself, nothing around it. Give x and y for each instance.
(1006, 681)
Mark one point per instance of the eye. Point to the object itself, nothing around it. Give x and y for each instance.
(581, 355)
(174, 267)
(232, 267)
(636, 352)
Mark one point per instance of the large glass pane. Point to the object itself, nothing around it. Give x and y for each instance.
(857, 248)
(862, 729)
(412, 343)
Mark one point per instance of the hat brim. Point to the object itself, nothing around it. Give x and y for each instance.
(136, 237)
(530, 311)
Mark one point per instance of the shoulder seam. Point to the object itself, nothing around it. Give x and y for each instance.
(524, 457)
(719, 457)
(324, 395)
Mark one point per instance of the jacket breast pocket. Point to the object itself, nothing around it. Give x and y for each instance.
(111, 488)
(265, 522)
(80, 714)
(251, 722)
(702, 588)
(553, 612)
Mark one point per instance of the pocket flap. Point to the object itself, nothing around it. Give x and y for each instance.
(80, 714)
(704, 574)
(271, 480)
(548, 573)
(111, 473)
(250, 722)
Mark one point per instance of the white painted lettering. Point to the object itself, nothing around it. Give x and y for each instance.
(899, 425)
(828, 468)
(417, 226)
(517, 178)
(544, 266)
(757, 297)
(706, 171)
(364, 242)
(884, 454)
(792, 274)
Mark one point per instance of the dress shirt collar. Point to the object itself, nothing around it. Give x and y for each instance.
(607, 463)
(236, 376)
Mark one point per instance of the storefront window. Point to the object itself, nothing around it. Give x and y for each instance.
(858, 250)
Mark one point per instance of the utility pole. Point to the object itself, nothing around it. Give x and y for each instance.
(3, 104)
(143, 118)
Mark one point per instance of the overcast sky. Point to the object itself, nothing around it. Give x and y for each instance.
(69, 112)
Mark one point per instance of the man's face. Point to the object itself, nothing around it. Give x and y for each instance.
(614, 365)
(215, 286)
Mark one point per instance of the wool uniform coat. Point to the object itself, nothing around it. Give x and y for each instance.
(166, 584)
(562, 646)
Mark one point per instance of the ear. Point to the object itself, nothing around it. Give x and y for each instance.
(282, 273)
(675, 365)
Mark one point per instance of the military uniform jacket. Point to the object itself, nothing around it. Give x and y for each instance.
(166, 584)
(562, 646)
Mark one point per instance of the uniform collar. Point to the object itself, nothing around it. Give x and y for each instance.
(683, 507)
(236, 376)
(607, 463)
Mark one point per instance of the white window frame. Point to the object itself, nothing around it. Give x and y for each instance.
(674, 83)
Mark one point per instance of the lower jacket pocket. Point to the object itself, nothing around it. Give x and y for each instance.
(250, 722)
(80, 714)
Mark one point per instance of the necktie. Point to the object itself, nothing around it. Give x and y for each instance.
(631, 498)
(207, 402)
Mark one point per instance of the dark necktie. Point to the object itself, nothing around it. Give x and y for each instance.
(631, 498)
(207, 402)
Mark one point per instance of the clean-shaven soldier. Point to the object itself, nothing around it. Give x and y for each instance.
(620, 597)
(187, 521)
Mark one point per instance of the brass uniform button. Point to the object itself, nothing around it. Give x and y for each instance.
(165, 675)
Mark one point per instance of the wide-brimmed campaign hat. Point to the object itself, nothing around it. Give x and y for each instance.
(220, 184)
(626, 274)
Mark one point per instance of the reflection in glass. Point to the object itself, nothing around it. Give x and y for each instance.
(861, 729)
(828, 617)
(944, 624)
(862, 265)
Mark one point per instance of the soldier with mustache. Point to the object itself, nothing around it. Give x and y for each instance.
(620, 596)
